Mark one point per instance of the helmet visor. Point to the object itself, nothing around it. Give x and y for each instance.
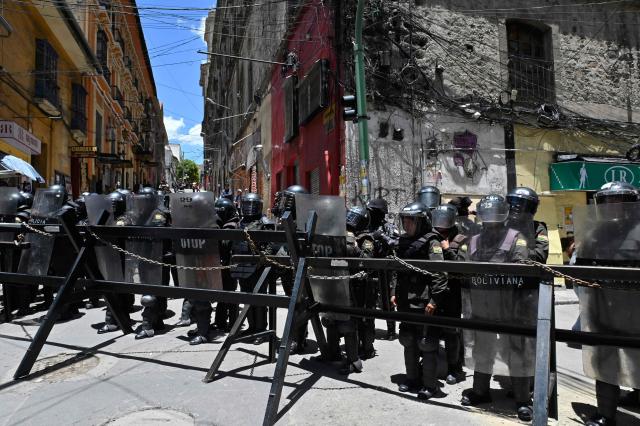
(429, 199)
(493, 212)
(444, 219)
(251, 207)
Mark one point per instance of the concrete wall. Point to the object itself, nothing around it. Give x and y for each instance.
(394, 164)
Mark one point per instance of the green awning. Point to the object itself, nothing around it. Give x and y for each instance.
(591, 175)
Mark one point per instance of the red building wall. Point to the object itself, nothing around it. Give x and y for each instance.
(318, 143)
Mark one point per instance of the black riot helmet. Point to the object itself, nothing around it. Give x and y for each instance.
(118, 203)
(415, 219)
(444, 216)
(616, 192)
(123, 191)
(25, 201)
(251, 206)
(429, 196)
(62, 189)
(523, 203)
(378, 210)
(146, 190)
(357, 219)
(225, 209)
(461, 204)
(288, 199)
(493, 208)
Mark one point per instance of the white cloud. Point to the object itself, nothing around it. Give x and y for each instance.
(201, 28)
(176, 132)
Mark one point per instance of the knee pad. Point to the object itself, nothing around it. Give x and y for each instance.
(406, 337)
(148, 300)
(428, 344)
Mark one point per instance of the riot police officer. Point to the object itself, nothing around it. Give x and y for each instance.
(523, 205)
(385, 235)
(502, 298)
(248, 274)
(226, 313)
(454, 246)
(285, 201)
(429, 196)
(611, 237)
(360, 243)
(419, 294)
(125, 300)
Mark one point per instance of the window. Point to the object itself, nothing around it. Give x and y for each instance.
(99, 132)
(290, 109)
(102, 48)
(313, 92)
(78, 107)
(530, 62)
(46, 72)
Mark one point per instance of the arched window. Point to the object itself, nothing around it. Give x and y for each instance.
(530, 62)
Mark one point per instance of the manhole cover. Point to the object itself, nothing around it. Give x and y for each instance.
(153, 416)
(64, 366)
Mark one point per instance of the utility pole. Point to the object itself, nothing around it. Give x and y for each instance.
(361, 98)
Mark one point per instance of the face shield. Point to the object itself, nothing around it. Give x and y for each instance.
(251, 208)
(429, 199)
(412, 225)
(493, 211)
(443, 218)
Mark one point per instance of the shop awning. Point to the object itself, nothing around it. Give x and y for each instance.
(589, 174)
(114, 160)
(10, 165)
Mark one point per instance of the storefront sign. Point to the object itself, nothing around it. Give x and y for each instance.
(19, 138)
(590, 176)
(84, 151)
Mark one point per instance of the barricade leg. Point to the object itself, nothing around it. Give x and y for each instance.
(285, 345)
(233, 334)
(62, 297)
(545, 391)
(273, 318)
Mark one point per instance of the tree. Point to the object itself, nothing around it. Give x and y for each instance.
(187, 171)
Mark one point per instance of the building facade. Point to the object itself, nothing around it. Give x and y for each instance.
(83, 88)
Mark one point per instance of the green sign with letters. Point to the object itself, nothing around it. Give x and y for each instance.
(590, 176)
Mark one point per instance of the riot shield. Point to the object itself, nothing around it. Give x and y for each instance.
(8, 209)
(109, 260)
(609, 235)
(329, 240)
(141, 209)
(196, 210)
(499, 298)
(36, 259)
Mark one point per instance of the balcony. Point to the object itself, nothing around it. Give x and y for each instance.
(47, 95)
(117, 96)
(127, 113)
(106, 73)
(532, 78)
(119, 39)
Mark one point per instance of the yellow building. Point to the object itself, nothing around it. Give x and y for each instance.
(46, 63)
(565, 167)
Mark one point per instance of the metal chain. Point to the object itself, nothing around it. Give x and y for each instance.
(411, 267)
(155, 262)
(263, 258)
(559, 274)
(37, 231)
(356, 276)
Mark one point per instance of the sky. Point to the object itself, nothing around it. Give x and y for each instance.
(173, 38)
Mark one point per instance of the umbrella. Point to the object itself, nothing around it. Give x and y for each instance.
(15, 164)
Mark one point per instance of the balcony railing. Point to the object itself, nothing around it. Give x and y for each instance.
(78, 121)
(117, 96)
(106, 73)
(532, 78)
(47, 88)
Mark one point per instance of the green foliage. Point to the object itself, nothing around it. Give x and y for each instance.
(188, 168)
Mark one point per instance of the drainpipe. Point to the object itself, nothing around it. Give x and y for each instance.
(361, 99)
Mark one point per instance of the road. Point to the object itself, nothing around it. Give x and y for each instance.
(123, 381)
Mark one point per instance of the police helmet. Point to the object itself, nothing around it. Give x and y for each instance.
(146, 190)
(444, 216)
(429, 196)
(419, 214)
(378, 205)
(523, 200)
(25, 200)
(288, 199)
(225, 209)
(357, 219)
(118, 203)
(60, 189)
(123, 191)
(616, 192)
(251, 205)
(493, 208)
